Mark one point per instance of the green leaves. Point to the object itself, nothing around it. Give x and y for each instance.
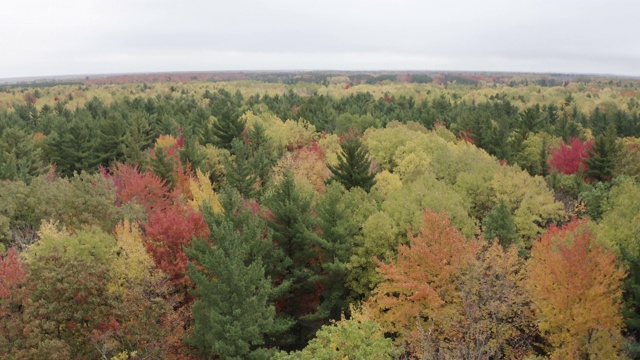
(353, 165)
(234, 312)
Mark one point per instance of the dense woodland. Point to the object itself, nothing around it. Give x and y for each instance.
(345, 218)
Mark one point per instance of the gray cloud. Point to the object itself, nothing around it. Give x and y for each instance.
(101, 36)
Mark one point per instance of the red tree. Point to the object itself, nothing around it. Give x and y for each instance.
(167, 232)
(143, 188)
(11, 274)
(570, 158)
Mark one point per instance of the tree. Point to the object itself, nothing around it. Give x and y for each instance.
(71, 147)
(499, 223)
(168, 232)
(143, 188)
(449, 297)
(355, 338)
(570, 158)
(110, 142)
(341, 214)
(241, 172)
(575, 285)
(11, 275)
(603, 155)
(418, 293)
(263, 153)
(298, 263)
(228, 126)
(70, 302)
(234, 311)
(140, 292)
(20, 159)
(497, 321)
(620, 229)
(137, 139)
(353, 165)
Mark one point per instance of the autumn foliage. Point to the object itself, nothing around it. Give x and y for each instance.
(11, 273)
(168, 232)
(575, 284)
(143, 188)
(570, 158)
(419, 294)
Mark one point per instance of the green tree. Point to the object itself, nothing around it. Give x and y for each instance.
(353, 165)
(110, 143)
(234, 311)
(240, 169)
(499, 223)
(20, 159)
(139, 137)
(356, 338)
(228, 126)
(299, 262)
(71, 146)
(341, 214)
(603, 155)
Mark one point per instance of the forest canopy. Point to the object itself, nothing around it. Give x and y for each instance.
(321, 217)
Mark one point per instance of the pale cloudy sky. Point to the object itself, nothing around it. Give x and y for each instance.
(63, 37)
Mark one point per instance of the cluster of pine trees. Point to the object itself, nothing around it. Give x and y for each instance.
(218, 225)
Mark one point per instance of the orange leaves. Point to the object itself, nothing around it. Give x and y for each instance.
(576, 287)
(421, 282)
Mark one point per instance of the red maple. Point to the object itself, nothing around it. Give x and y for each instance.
(11, 273)
(570, 158)
(143, 188)
(168, 232)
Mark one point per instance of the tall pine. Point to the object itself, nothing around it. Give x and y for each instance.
(353, 165)
(234, 312)
(299, 262)
(602, 157)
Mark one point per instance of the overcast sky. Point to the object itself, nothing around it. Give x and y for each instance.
(61, 37)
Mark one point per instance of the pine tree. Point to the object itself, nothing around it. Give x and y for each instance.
(499, 223)
(353, 165)
(240, 169)
(228, 126)
(234, 310)
(602, 157)
(71, 147)
(299, 261)
(111, 138)
(20, 159)
(138, 138)
(264, 156)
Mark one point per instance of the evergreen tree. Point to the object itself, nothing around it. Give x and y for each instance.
(264, 156)
(111, 139)
(234, 312)
(353, 165)
(71, 147)
(240, 169)
(341, 214)
(602, 157)
(138, 138)
(299, 261)
(499, 223)
(228, 126)
(20, 159)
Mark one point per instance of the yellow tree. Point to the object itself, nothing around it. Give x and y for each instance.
(202, 192)
(575, 285)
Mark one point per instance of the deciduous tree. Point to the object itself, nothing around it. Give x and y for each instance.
(575, 284)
